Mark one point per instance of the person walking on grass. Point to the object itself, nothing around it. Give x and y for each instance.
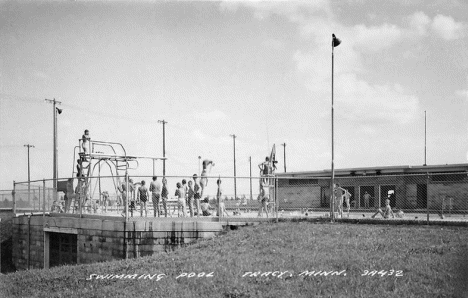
(155, 189)
(142, 197)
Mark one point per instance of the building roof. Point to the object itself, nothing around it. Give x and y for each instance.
(382, 170)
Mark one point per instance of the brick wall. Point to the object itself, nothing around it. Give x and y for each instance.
(296, 196)
(299, 196)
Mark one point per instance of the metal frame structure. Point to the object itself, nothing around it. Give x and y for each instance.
(89, 162)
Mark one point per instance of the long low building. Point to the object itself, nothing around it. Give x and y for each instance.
(437, 187)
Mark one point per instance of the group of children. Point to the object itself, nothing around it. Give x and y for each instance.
(188, 195)
(342, 195)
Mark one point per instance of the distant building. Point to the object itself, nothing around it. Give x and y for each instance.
(408, 187)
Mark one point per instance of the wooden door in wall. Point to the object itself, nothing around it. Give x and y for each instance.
(62, 249)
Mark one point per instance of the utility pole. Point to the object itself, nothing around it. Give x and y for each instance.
(199, 159)
(29, 174)
(284, 157)
(335, 42)
(164, 145)
(55, 164)
(425, 138)
(235, 186)
(250, 163)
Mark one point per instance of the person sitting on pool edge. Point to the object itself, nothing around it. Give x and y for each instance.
(388, 211)
(205, 207)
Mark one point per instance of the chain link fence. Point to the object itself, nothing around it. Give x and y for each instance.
(6, 198)
(416, 196)
(110, 195)
(34, 196)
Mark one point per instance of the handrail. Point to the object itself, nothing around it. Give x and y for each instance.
(109, 144)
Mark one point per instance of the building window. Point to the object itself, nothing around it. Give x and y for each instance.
(448, 177)
(299, 182)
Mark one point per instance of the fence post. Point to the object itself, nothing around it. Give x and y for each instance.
(276, 198)
(38, 198)
(127, 196)
(427, 197)
(332, 200)
(81, 194)
(44, 198)
(13, 194)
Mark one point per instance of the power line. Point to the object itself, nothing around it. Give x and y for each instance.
(5, 96)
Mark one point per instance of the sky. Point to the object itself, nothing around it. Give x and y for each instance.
(257, 70)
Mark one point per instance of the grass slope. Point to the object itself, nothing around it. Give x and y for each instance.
(433, 261)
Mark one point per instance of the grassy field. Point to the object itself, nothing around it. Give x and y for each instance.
(432, 262)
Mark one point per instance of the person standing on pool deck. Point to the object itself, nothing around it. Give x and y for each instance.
(142, 197)
(70, 195)
(185, 187)
(180, 193)
(132, 194)
(164, 194)
(339, 196)
(366, 199)
(263, 198)
(347, 197)
(123, 190)
(219, 197)
(204, 179)
(197, 193)
(190, 196)
(155, 189)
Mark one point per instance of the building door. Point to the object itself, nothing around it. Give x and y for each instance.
(325, 197)
(370, 191)
(421, 196)
(388, 192)
(62, 249)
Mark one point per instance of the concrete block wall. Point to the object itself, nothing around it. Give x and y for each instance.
(6, 216)
(101, 240)
(28, 242)
(6, 220)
